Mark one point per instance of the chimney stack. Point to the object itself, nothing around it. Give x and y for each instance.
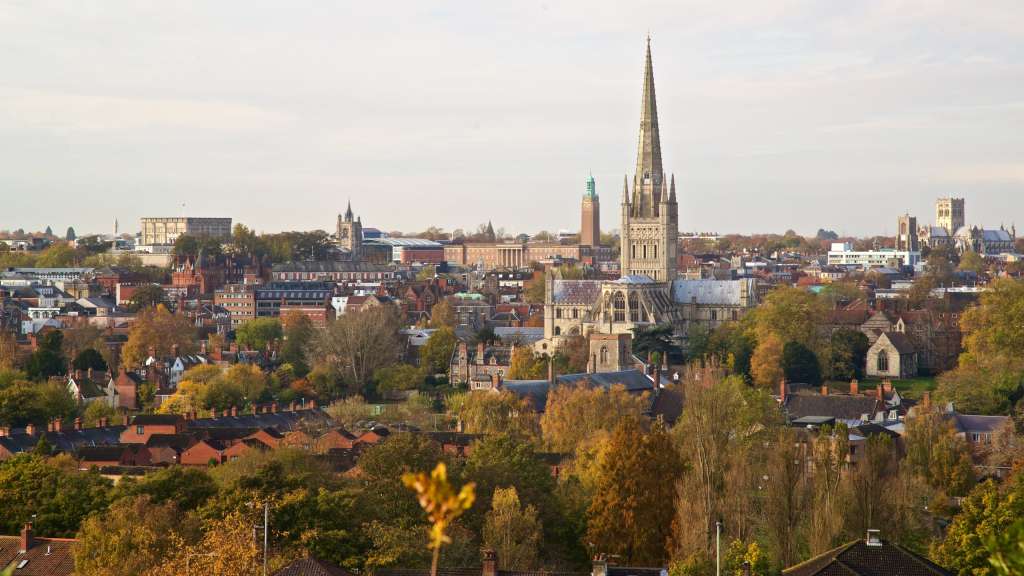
(878, 391)
(480, 353)
(30, 429)
(824, 389)
(312, 404)
(234, 411)
(273, 407)
(490, 564)
(551, 371)
(887, 385)
(854, 387)
(26, 538)
(600, 566)
(88, 373)
(783, 390)
(78, 423)
(126, 419)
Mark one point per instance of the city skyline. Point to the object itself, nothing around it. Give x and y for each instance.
(771, 118)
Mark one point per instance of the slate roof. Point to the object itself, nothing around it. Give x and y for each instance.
(100, 453)
(283, 421)
(526, 335)
(901, 342)
(329, 266)
(178, 442)
(64, 441)
(718, 292)
(46, 557)
(575, 291)
(838, 406)
(157, 419)
(978, 423)
(537, 390)
(311, 567)
(860, 559)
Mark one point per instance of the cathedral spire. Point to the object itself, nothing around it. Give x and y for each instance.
(625, 189)
(648, 155)
(672, 189)
(348, 212)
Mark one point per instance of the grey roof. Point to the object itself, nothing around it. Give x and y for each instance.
(996, 236)
(526, 335)
(634, 382)
(937, 232)
(329, 266)
(901, 342)
(838, 406)
(64, 441)
(861, 559)
(283, 421)
(634, 279)
(979, 423)
(720, 292)
(576, 291)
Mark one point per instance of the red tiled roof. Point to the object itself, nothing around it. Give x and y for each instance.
(46, 557)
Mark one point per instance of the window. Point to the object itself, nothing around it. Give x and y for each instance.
(558, 313)
(883, 361)
(604, 354)
(140, 429)
(619, 306)
(714, 314)
(634, 308)
(575, 313)
(558, 330)
(655, 251)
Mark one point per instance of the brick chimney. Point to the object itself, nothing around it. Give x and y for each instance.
(824, 390)
(126, 419)
(104, 422)
(312, 404)
(4, 431)
(887, 385)
(600, 566)
(479, 352)
(57, 425)
(551, 371)
(78, 423)
(78, 374)
(88, 373)
(30, 429)
(878, 391)
(490, 563)
(854, 387)
(273, 407)
(783, 390)
(25, 543)
(234, 411)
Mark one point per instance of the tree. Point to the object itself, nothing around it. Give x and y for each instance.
(187, 246)
(436, 354)
(800, 364)
(513, 531)
(937, 454)
(525, 365)
(89, 359)
(186, 488)
(504, 412)
(792, 314)
(989, 511)
(970, 261)
(48, 359)
(159, 330)
(147, 296)
(766, 363)
(577, 414)
(53, 490)
(787, 497)
(653, 339)
(1007, 550)
(131, 537)
(382, 467)
(631, 512)
(442, 315)
(360, 342)
(8, 350)
(257, 333)
(398, 377)
(848, 352)
(298, 336)
(533, 292)
(227, 548)
(56, 256)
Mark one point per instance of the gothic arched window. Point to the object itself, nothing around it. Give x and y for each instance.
(604, 354)
(619, 307)
(558, 330)
(634, 308)
(883, 361)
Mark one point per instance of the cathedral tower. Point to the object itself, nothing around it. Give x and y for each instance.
(350, 233)
(650, 214)
(590, 230)
(949, 214)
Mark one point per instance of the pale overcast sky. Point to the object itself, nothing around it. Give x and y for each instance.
(774, 114)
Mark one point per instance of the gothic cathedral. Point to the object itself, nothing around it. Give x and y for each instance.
(650, 214)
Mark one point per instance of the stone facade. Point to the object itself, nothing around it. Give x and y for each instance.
(164, 231)
(611, 352)
(350, 233)
(906, 234)
(949, 214)
(892, 356)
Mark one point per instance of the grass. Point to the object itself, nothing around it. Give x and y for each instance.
(909, 388)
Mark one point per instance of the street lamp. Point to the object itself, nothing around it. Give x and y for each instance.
(718, 548)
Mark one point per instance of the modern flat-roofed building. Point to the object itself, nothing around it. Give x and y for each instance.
(843, 254)
(164, 231)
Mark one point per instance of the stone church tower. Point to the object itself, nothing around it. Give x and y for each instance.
(650, 214)
(590, 230)
(350, 233)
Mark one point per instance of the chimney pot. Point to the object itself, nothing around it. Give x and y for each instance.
(490, 563)
(854, 387)
(782, 390)
(824, 390)
(234, 411)
(88, 373)
(273, 407)
(26, 538)
(78, 423)
(312, 404)
(30, 429)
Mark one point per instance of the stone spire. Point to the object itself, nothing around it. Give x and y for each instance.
(672, 189)
(348, 212)
(625, 189)
(648, 153)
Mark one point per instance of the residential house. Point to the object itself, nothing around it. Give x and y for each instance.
(869, 557)
(483, 361)
(30, 555)
(93, 386)
(145, 425)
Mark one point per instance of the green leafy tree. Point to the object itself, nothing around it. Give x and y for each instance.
(504, 412)
(990, 510)
(89, 358)
(258, 332)
(436, 354)
(148, 296)
(631, 512)
(580, 414)
(792, 314)
(442, 315)
(653, 339)
(298, 336)
(48, 359)
(970, 261)
(186, 488)
(513, 531)
(129, 538)
(360, 342)
(53, 490)
(398, 377)
(800, 364)
(847, 353)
